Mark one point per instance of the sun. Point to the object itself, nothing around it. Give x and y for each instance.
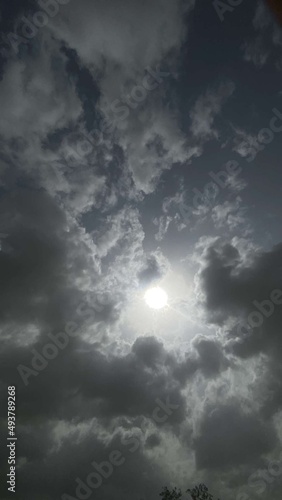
(156, 298)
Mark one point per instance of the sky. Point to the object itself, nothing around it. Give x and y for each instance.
(140, 148)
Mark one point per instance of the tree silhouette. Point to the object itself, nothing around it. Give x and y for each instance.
(174, 494)
(199, 492)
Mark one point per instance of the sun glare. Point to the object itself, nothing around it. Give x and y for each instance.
(156, 298)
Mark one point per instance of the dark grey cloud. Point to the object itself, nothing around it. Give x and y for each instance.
(247, 291)
(229, 437)
(211, 358)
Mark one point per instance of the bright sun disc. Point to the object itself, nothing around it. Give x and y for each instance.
(156, 298)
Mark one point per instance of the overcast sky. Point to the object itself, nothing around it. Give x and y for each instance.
(140, 146)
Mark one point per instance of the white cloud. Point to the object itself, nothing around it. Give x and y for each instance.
(102, 30)
(255, 52)
(230, 214)
(35, 99)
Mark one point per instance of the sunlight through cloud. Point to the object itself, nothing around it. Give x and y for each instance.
(156, 298)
